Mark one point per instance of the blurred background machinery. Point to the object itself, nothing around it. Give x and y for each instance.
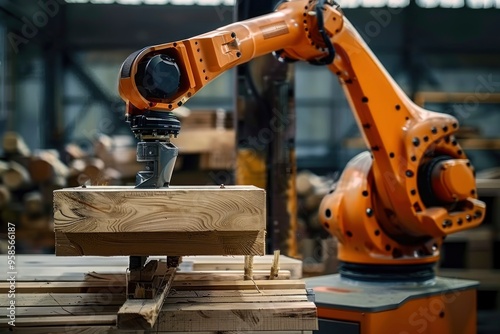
(62, 122)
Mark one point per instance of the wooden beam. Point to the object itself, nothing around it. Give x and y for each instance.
(142, 313)
(113, 299)
(228, 306)
(207, 294)
(50, 311)
(193, 317)
(65, 268)
(239, 285)
(112, 330)
(175, 221)
(243, 298)
(118, 286)
(231, 275)
(65, 287)
(81, 320)
(64, 299)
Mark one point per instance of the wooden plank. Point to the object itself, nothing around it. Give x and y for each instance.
(213, 275)
(230, 275)
(236, 285)
(194, 317)
(233, 293)
(238, 299)
(90, 299)
(142, 313)
(64, 299)
(52, 268)
(65, 287)
(110, 221)
(117, 286)
(75, 304)
(48, 311)
(113, 330)
(74, 329)
(68, 321)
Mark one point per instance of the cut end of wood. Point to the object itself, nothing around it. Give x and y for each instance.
(13, 143)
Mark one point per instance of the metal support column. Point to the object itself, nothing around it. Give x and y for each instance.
(52, 116)
(265, 125)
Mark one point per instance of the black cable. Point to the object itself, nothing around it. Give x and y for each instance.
(328, 43)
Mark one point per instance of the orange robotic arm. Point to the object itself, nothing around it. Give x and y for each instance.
(393, 206)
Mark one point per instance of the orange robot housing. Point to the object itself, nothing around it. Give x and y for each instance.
(392, 205)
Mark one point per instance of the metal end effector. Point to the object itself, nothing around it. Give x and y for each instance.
(160, 160)
(154, 130)
(158, 78)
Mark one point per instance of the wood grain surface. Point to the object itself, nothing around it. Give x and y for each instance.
(90, 302)
(207, 220)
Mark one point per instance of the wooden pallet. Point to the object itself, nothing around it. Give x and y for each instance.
(197, 302)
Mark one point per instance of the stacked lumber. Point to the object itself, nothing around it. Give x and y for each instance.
(95, 302)
(206, 142)
(206, 119)
(209, 136)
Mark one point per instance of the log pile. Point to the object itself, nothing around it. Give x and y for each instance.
(317, 247)
(311, 189)
(27, 181)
